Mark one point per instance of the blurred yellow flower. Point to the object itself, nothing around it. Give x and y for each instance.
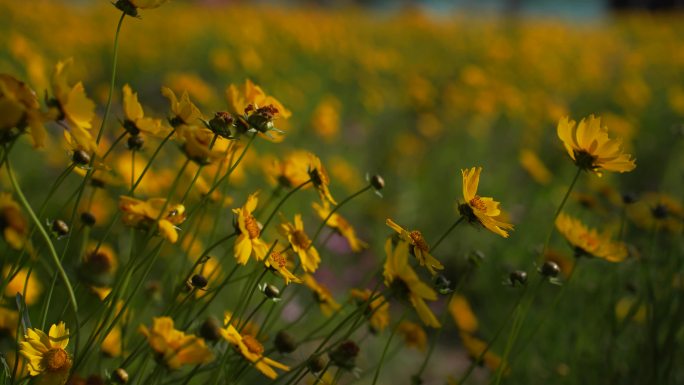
(291, 171)
(253, 351)
(173, 346)
(378, 308)
(46, 355)
(401, 277)
(476, 347)
(326, 118)
(19, 109)
(183, 110)
(463, 315)
(341, 225)
(534, 166)
(482, 210)
(111, 345)
(301, 244)
(587, 242)
(99, 266)
(135, 121)
(13, 224)
(322, 294)
(197, 143)
(248, 241)
(9, 321)
(319, 178)
(33, 287)
(138, 213)
(419, 247)
(414, 335)
(657, 210)
(590, 147)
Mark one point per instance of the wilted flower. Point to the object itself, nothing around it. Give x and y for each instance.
(173, 347)
(46, 355)
(587, 242)
(482, 210)
(419, 247)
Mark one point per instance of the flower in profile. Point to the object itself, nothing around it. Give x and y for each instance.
(657, 210)
(135, 121)
(130, 7)
(99, 265)
(71, 104)
(173, 347)
(22, 283)
(463, 315)
(320, 179)
(253, 109)
(476, 348)
(377, 311)
(184, 111)
(419, 247)
(401, 277)
(45, 354)
(249, 240)
(253, 351)
(13, 224)
(277, 261)
(197, 143)
(340, 225)
(301, 244)
(321, 294)
(19, 110)
(143, 214)
(481, 210)
(587, 242)
(291, 171)
(414, 335)
(591, 149)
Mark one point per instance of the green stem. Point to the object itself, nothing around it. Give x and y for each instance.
(387, 345)
(330, 214)
(446, 233)
(558, 211)
(112, 80)
(280, 203)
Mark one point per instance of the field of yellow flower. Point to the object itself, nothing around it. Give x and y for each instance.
(204, 194)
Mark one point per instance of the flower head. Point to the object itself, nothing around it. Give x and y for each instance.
(377, 310)
(253, 109)
(591, 149)
(419, 247)
(22, 283)
(46, 355)
(173, 347)
(13, 224)
(341, 225)
(414, 335)
(291, 171)
(481, 210)
(319, 178)
(143, 214)
(197, 143)
(135, 121)
(587, 242)
(277, 261)
(321, 294)
(400, 276)
(301, 244)
(19, 110)
(253, 351)
(249, 240)
(184, 111)
(130, 7)
(463, 315)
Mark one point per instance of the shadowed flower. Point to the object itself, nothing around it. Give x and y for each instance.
(143, 214)
(340, 225)
(253, 351)
(19, 109)
(319, 178)
(591, 149)
(135, 121)
(13, 224)
(321, 294)
(301, 244)
(414, 335)
(277, 261)
(183, 110)
(482, 210)
(291, 171)
(587, 242)
(419, 247)
(19, 284)
(248, 241)
(657, 210)
(377, 310)
(45, 354)
(173, 347)
(197, 143)
(9, 320)
(406, 284)
(253, 109)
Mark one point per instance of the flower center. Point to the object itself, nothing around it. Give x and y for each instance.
(99, 262)
(279, 259)
(252, 227)
(418, 240)
(300, 239)
(319, 177)
(585, 160)
(478, 203)
(253, 345)
(55, 359)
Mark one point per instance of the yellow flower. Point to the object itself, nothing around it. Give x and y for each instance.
(291, 171)
(183, 110)
(197, 143)
(9, 320)
(253, 109)
(248, 241)
(253, 351)
(111, 345)
(463, 315)
(322, 294)
(414, 335)
(591, 149)
(587, 242)
(99, 266)
(174, 347)
(341, 225)
(482, 210)
(326, 118)
(301, 244)
(19, 109)
(33, 287)
(657, 210)
(319, 178)
(143, 214)
(135, 121)
(400, 276)
(378, 309)
(45, 354)
(13, 224)
(419, 247)
(277, 261)
(73, 106)
(535, 167)
(475, 347)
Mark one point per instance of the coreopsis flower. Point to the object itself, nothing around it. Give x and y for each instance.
(481, 210)
(657, 210)
(46, 355)
(291, 171)
(142, 214)
(22, 283)
(591, 149)
(463, 315)
(196, 143)
(301, 244)
(587, 242)
(419, 247)
(19, 110)
(99, 265)
(320, 179)
(184, 111)
(414, 335)
(253, 351)
(249, 240)
(13, 224)
(250, 328)
(135, 121)
(173, 347)
(322, 295)
(71, 104)
(475, 347)
(277, 261)
(340, 225)
(253, 109)
(111, 345)
(377, 310)
(405, 281)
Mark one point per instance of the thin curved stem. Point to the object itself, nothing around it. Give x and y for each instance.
(280, 203)
(112, 79)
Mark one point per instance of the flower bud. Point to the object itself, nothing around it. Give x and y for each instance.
(316, 363)
(120, 376)
(199, 281)
(377, 182)
(221, 123)
(60, 227)
(518, 277)
(80, 157)
(210, 329)
(550, 269)
(344, 355)
(88, 219)
(271, 292)
(135, 143)
(284, 342)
